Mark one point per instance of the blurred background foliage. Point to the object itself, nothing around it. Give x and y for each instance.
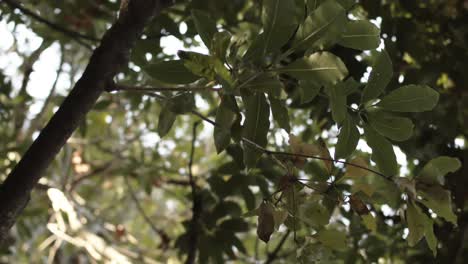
(117, 193)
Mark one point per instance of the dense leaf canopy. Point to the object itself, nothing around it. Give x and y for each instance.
(274, 131)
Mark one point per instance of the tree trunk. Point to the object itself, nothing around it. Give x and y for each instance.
(111, 55)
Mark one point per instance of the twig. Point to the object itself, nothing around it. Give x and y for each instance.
(274, 254)
(279, 153)
(73, 34)
(164, 237)
(127, 88)
(35, 123)
(21, 108)
(90, 174)
(196, 209)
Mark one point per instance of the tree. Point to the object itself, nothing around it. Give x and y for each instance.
(269, 146)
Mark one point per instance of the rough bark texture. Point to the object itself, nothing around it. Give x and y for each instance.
(107, 59)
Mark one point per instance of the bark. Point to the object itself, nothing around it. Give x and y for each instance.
(111, 55)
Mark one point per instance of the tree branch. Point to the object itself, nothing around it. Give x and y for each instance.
(106, 61)
(126, 88)
(73, 34)
(277, 153)
(196, 209)
(296, 155)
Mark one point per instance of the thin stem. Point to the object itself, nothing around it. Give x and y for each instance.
(73, 34)
(127, 88)
(281, 153)
(196, 209)
(164, 237)
(274, 254)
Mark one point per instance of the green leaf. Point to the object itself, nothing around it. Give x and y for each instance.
(209, 67)
(360, 35)
(419, 225)
(279, 216)
(266, 83)
(315, 253)
(370, 222)
(166, 120)
(391, 126)
(410, 98)
(255, 51)
(256, 126)
(171, 72)
(321, 67)
(438, 200)
(332, 238)
(225, 118)
(220, 44)
(313, 4)
(382, 152)
(279, 23)
(347, 4)
(347, 139)
(435, 170)
(416, 223)
(351, 86)
(431, 239)
(205, 25)
(337, 101)
(181, 103)
(280, 113)
(328, 17)
(314, 214)
(266, 221)
(382, 72)
(308, 90)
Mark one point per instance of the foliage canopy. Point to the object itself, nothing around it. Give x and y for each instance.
(269, 145)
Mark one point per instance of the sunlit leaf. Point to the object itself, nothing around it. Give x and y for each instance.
(321, 67)
(329, 16)
(220, 44)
